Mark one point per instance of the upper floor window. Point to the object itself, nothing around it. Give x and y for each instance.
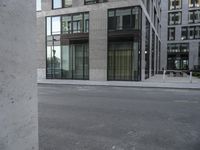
(76, 23)
(124, 18)
(174, 18)
(87, 2)
(194, 16)
(68, 24)
(178, 48)
(194, 3)
(175, 4)
(61, 3)
(38, 5)
(171, 34)
(190, 33)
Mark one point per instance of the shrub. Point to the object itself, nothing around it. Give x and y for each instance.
(196, 74)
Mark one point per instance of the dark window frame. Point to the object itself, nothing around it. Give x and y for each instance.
(115, 18)
(175, 5)
(62, 5)
(187, 35)
(193, 13)
(171, 56)
(174, 29)
(94, 2)
(139, 77)
(193, 4)
(174, 14)
(64, 15)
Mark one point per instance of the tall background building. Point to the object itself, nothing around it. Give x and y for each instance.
(101, 40)
(180, 34)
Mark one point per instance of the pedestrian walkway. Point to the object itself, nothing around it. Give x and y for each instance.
(154, 82)
(168, 79)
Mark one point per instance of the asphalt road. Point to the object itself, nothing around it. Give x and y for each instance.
(118, 118)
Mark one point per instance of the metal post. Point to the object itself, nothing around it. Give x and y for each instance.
(164, 72)
(190, 76)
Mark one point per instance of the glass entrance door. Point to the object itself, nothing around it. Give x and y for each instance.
(120, 61)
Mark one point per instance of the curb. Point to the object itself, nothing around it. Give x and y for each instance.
(118, 85)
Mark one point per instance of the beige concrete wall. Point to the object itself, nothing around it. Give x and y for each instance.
(18, 94)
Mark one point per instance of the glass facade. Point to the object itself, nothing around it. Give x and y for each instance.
(77, 23)
(178, 56)
(68, 61)
(67, 57)
(124, 19)
(124, 59)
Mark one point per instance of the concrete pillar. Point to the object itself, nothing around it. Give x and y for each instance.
(18, 94)
(98, 45)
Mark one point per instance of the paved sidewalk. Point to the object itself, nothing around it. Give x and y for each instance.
(154, 82)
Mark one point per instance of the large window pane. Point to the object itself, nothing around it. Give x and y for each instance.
(178, 56)
(77, 23)
(194, 3)
(135, 18)
(191, 32)
(49, 64)
(171, 34)
(57, 4)
(123, 19)
(56, 62)
(174, 18)
(86, 22)
(56, 25)
(48, 25)
(184, 33)
(38, 5)
(123, 61)
(66, 62)
(197, 32)
(67, 3)
(66, 24)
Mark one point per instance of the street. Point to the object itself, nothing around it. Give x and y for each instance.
(118, 118)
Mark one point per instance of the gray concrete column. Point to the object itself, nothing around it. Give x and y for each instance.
(18, 94)
(98, 45)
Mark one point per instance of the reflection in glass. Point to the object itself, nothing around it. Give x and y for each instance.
(57, 4)
(38, 5)
(56, 25)
(48, 25)
(72, 64)
(123, 61)
(123, 19)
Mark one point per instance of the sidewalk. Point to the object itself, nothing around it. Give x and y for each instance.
(154, 82)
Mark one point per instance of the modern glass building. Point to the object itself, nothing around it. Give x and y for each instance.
(102, 40)
(181, 34)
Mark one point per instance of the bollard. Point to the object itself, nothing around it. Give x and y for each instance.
(164, 72)
(190, 76)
